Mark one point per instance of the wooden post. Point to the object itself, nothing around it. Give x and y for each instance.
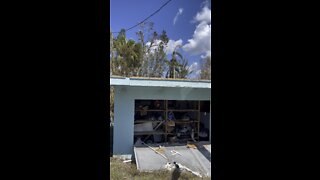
(166, 119)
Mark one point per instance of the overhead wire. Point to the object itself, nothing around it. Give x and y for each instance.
(146, 18)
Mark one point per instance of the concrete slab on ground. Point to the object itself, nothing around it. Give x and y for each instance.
(198, 160)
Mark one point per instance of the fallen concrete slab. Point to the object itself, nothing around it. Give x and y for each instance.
(148, 160)
(197, 160)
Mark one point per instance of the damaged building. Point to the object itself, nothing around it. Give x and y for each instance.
(174, 114)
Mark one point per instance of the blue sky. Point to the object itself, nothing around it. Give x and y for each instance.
(187, 22)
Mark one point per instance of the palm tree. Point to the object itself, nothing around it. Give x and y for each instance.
(184, 70)
(173, 64)
(205, 72)
(128, 55)
(178, 66)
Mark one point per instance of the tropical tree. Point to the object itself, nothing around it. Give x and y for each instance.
(126, 56)
(184, 69)
(145, 57)
(124, 59)
(177, 66)
(205, 72)
(153, 61)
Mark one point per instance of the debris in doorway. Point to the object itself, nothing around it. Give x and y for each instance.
(203, 134)
(156, 105)
(149, 141)
(185, 117)
(146, 126)
(184, 132)
(173, 139)
(170, 126)
(185, 128)
(192, 136)
(138, 142)
(158, 125)
(191, 146)
(144, 110)
(171, 116)
(157, 138)
(126, 161)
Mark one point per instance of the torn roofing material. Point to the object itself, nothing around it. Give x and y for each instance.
(159, 82)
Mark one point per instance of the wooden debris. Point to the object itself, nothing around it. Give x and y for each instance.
(155, 128)
(175, 152)
(155, 151)
(160, 150)
(191, 146)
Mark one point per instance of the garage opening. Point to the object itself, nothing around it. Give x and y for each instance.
(171, 121)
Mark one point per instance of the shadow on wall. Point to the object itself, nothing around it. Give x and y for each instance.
(111, 139)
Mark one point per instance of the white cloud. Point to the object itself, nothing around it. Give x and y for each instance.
(200, 44)
(172, 44)
(169, 48)
(180, 10)
(204, 15)
(201, 40)
(206, 3)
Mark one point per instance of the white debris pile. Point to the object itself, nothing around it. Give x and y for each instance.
(171, 166)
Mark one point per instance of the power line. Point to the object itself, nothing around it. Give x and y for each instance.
(146, 18)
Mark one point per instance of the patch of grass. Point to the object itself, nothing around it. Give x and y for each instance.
(120, 170)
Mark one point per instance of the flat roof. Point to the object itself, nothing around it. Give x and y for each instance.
(159, 82)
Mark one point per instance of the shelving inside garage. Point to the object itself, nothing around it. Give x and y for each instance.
(152, 113)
